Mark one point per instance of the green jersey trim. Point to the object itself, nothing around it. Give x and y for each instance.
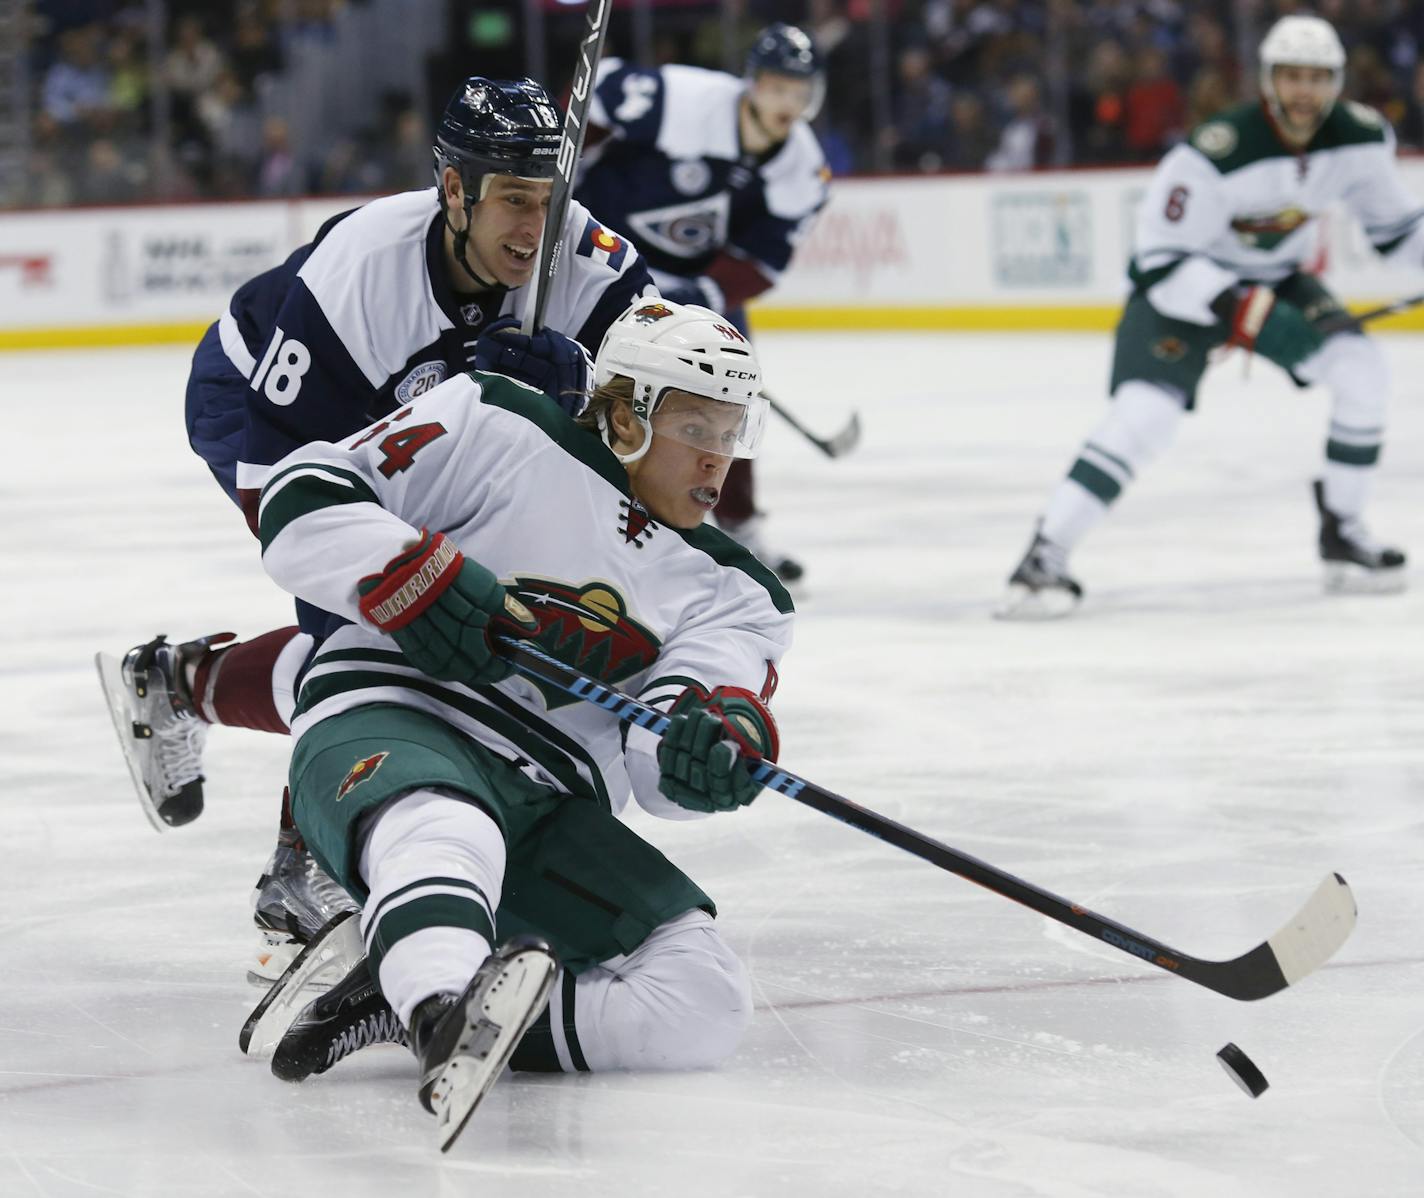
(1244, 134)
(322, 486)
(726, 552)
(542, 743)
(581, 444)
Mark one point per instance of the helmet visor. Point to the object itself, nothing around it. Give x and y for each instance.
(730, 430)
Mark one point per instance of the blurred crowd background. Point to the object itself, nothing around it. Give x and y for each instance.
(115, 101)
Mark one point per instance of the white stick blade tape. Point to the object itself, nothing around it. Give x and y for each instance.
(1315, 933)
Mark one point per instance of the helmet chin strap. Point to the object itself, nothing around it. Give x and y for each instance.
(462, 236)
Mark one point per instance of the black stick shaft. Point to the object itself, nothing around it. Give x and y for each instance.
(1252, 976)
(551, 245)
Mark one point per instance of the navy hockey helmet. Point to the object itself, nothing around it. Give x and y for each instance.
(784, 49)
(497, 126)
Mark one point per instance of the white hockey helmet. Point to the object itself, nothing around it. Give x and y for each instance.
(1299, 41)
(663, 347)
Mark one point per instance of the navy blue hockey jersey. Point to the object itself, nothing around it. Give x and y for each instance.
(674, 178)
(363, 319)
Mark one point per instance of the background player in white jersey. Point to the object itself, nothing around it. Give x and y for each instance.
(388, 299)
(453, 799)
(1222, 234)
(715, 179)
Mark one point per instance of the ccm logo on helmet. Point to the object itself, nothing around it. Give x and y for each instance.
(740, 374)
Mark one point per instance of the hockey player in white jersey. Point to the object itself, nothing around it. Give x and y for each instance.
(716, 179)
(386, 301)
(463, 805)
(1222, 236)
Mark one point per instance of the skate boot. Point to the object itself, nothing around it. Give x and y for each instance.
(1354, 562)
(292, 901)
(747, 534)
(352, 1015)
(1041, 587)
(324, 963)
(463, 1042)
(160, 731)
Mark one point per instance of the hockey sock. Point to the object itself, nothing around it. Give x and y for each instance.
(1358, 377)
(434, 864)
(250, 685)
(680, 1000)
(737, 503)
(1139, 425)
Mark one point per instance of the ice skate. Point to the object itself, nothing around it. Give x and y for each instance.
(1355, 563)
(1041, 587)
(747, 534)
(326, 962)
(160, 731)
(463, 1042)
(293, 900)
(350, 1016)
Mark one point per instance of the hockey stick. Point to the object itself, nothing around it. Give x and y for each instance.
(551, 244)
(833, 447)
(1305, 943)
(1344, 322)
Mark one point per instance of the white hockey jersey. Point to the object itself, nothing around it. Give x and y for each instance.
(519, 487)
(1235, 204)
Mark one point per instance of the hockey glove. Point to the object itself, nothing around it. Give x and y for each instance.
(1273, 328)
(437, 605)
(547, 361)
(701, 754)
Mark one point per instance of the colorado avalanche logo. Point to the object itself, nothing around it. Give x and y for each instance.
(419, 381)
(587, 627)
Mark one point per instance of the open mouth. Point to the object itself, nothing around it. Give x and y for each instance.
(705, 497)
(520, 255)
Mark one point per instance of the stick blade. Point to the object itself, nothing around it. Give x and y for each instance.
(845, 440)
(1316, 932)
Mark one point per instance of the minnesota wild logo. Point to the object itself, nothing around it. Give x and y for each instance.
(358, 773)
(1267, 232)
(588, 628)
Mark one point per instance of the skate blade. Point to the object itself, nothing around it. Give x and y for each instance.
(116, 695)
(327, 959)
(493, 1027)
(274, 953)
(1024, 603)
(1345, 578)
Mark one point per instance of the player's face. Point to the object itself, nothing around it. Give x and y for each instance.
(680, 478)
(1303, 93)
(779, 100)
(505, 229)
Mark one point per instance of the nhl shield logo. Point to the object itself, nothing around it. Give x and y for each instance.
(691, 176)
(419, 381)
(358, 773)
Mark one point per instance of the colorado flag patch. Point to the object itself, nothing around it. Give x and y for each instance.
(602, 246)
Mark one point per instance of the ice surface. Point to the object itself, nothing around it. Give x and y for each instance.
(1189, 754)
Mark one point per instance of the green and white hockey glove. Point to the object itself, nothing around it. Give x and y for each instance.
(701, 757)
(1273, 328)
(437, 605)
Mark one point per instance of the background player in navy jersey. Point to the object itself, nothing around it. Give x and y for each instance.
(387, 300)
(715, 179)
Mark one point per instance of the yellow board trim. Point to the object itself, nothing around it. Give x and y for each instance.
(978, 318)
(104, 336)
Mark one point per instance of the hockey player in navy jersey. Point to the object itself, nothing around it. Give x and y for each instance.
(387, 300)
(465, 805)
(715, 179)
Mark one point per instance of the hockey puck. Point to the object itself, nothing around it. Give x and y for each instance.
(1242, 1070)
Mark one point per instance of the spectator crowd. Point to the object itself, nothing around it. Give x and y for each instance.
(116, 115)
